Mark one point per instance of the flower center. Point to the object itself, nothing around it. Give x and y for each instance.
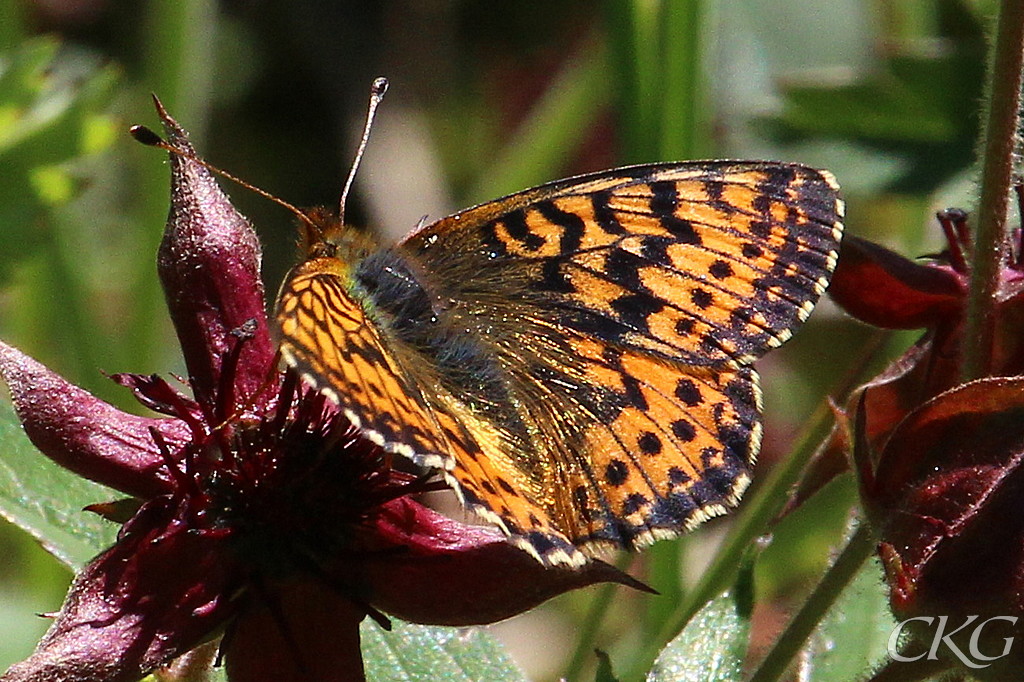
(293, 485)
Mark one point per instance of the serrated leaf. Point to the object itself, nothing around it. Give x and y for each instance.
(413, 653)
(854, 634)
(46, 501)
(711, 648)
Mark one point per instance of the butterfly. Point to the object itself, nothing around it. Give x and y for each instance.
(575, 359)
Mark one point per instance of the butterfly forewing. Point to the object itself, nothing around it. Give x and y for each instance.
(575, 357)
(710, 262)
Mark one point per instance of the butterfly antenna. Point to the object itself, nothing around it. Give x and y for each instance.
(377, 90)
(147, 137)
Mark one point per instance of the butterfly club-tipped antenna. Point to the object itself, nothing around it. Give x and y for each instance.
(322, 229)
(151, 139)
(377, 90)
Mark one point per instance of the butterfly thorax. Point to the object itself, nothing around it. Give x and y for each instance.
(424, 319)
(433, 337)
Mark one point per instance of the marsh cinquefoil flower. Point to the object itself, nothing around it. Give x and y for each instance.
(259, 513)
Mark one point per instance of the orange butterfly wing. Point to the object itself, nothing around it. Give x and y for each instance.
(575, 357)
(329, 339)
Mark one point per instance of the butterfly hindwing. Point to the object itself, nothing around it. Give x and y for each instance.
(631, 448)
(675, 449)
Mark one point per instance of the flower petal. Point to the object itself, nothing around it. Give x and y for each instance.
(209, 264)
(945, 498)
(85, 434)
(296, 631)
(450, 573)
(881, 287)
(159, 592)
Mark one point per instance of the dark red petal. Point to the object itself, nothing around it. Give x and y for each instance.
(947, 496)
(450, 573)
(882, 288)
(156, 594)
(157, 394)
(830, 461)
(296, 631)
(85, 434)
(209, 264)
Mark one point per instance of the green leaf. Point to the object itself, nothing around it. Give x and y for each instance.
(711, 648)
(52, 106)
(856, 630)
(418, 652)
(918, 105)
(51, 102)
(46, 501)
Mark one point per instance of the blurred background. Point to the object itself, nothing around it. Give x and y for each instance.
(485, 99)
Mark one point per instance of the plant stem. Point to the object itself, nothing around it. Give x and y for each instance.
(685, 130)
(838, 576)
(997, 168)
(634, 41)
(591, 624)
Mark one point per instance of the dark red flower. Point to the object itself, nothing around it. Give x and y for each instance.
(885, 289)
(256, 509)
(938, 461)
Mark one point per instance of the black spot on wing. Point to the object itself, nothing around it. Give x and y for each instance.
(701, 298)
(616, 473)
(553, 278)
(604, 215)
(714, 486)
(751, 251)
(715, 188)
(683, 429)
(635, 309)
(721, 270)
(649, 443)
(654, 249)
(519, 230)
(688, 393)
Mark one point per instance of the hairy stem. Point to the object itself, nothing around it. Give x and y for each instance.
(997, 168)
